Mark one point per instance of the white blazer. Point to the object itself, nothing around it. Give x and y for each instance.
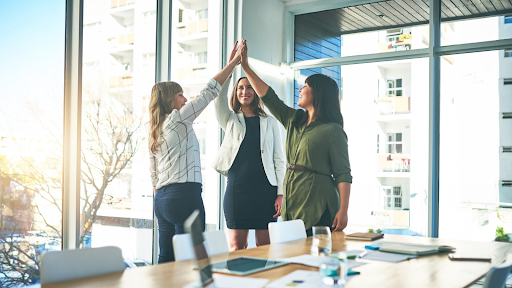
(233, 124)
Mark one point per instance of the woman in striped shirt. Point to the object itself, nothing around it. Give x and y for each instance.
(174, 154)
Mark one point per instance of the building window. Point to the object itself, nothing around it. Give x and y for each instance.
(392, 197)
(394, 143)
(394, 88)
(508, 53)
(202, 14)
(508, 19)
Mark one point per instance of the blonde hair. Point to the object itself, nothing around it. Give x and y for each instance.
(161, 104)
(256, 104)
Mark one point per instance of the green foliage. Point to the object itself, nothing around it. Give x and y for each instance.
(370, 230)
(378, 231)
(501, 236)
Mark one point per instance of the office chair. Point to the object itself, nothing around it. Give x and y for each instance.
(216, 243)
(286, 231)
(497, 276)
(65, 265)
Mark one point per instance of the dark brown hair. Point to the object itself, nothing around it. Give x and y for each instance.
(256, 104)
(326, 101)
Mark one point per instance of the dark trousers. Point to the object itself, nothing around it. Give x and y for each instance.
(173, 205)
(325, 220)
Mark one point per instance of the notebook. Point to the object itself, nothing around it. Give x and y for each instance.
(364, 236)
(415, 249)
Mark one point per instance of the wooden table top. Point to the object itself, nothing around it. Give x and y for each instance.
(427, 271)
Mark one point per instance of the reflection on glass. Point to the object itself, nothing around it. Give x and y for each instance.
(118, 72)
(31, 136)
(390, 100)
(475, 197)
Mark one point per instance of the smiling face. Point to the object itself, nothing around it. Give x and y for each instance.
(179, 100)
(306, 97)
(245, 93)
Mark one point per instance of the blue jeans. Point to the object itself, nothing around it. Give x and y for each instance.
(173, 205)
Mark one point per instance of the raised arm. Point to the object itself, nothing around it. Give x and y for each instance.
(194, 108)
(281, 111)
(222, 111)
(225, 73)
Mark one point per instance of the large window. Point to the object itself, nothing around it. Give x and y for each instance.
(389, 191)
(196, 58)
(31, 135)
(475, 166)
(117, 197)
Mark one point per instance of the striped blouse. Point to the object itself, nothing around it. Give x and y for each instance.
(177, 159)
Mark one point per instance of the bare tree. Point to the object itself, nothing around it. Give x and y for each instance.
(110, 140)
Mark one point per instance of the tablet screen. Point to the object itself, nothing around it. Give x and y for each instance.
(244, 265)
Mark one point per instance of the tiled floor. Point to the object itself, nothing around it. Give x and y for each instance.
(480, 283)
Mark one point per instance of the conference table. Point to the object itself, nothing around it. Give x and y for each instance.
(426, 271)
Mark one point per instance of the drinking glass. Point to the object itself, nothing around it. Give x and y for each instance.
(321, 241)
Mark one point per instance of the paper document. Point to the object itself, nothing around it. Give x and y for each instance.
(301, 279)
(315, 261)
(232, 282)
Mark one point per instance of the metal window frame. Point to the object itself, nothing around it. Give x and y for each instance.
(72, 125)
(162, 73)
(433, 53)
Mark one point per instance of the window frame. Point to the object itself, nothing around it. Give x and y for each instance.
(434, 52)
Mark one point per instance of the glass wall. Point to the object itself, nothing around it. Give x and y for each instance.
(477, 30)
(385, 111)
(196, 58)
(475, 160)
(31, 136)
(118, 73)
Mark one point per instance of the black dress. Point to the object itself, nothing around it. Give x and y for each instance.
(249, 199)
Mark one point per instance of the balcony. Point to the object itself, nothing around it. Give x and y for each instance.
(394, 163)
(401, 43)
(198, 71)
(393, 105)
(392, 218)
(193, 27)
(123, 81)
(122, 8)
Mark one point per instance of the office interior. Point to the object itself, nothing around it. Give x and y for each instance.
(425, 92)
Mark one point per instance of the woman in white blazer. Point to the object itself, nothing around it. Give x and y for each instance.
(252, 158)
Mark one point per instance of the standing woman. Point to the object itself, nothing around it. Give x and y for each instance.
(316, 151)
(252, 158)
(174, 155)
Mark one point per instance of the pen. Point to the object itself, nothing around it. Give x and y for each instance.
(362, 254)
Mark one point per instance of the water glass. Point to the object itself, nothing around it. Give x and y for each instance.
(321, 241)
(334, 271)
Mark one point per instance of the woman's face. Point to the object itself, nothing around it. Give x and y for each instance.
(306, 97)
(245, 93)
(179, 100)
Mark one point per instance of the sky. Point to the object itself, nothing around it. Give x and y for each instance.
(32, 38)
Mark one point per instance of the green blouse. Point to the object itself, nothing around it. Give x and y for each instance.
(321, 147)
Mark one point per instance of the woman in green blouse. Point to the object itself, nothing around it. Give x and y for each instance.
(317, 181)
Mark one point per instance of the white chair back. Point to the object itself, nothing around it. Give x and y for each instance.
(286, 231)
(497, 276)
(65, 265)
(216, 243)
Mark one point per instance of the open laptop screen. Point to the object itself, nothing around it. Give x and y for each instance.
(193, 226)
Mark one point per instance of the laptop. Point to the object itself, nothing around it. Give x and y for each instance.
(236, 266)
